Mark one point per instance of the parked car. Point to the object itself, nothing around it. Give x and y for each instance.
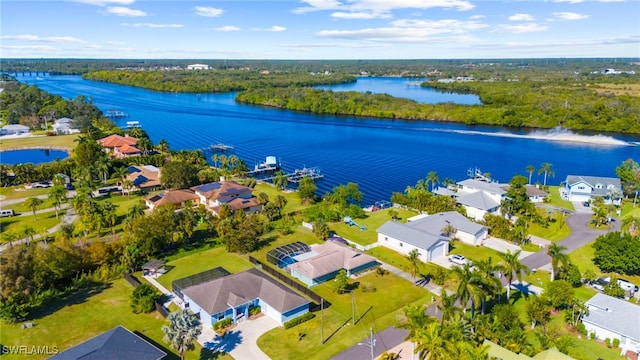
(627, 286)
(41, 184)
(600, 283)
(458, 259)
(586, 204)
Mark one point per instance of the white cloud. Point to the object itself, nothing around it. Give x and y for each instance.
(565, 15)
(208, 11)
(276, 28)
(54, 39)
(360, 15)
(227, 28)
(381, 6)
(409, 30)
(569, 1)
(105, 2)
(520, 28)
(151, 25)
(564, 43)
(125, 11)
(116, 43)
(335, 45)
(521, 17)
(476, 17)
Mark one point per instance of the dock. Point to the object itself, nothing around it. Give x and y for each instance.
(220, 147)
(133, 124)
(297, 175)
(115, 114)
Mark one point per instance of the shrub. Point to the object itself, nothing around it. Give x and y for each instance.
(581, 329)
(440, 276)
(222, 323)
(299, 320)
(608, 342)
(368, 287)
(143, 299)
(254, 310)
(380, 271)
(616, 342)
(592, 336)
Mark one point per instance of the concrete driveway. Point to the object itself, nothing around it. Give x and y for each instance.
(502, 246)
(241, 342)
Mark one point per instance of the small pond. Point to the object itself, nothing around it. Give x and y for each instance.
(34, 156)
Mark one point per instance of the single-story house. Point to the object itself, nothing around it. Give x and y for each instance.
(586, 188)
(480, 197)
(145, 178)
(324, 262)
(614, 318)
(117, 343)
(179, 198)
(238, 197)
(14, 129)
(465, 230)
(64, 126)
(198, 67)
(120, 146)
(404, 238)
(535, 194)
(233, 295)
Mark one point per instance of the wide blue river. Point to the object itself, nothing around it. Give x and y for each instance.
(382, 156)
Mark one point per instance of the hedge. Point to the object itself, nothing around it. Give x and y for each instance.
(299, 320)
(222, 323)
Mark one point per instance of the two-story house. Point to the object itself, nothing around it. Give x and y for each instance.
(586, 188)
(236, 196)
(480, 197)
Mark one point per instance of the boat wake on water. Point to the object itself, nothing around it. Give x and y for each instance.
(556, 134)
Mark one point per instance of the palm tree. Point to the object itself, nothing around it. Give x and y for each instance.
(546, 169)
(33, 203)
(163, 146)
(449, 230)
(279, 180)
(448, 305)
(184, 327)
(430, 345)
(489, 282)
(414, 263)
(512, 268)
(110, 215)
(28, 232)
(121, 173)
(469, 286)
(631, 224)
(555, 251)
(57, 193)
(9, 237)
(432, 177)
(102, 167)
(530, 170)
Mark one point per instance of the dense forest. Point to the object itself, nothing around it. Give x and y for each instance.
(515, 104)
(216, 81)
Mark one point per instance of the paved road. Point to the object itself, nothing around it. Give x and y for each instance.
(384, 340)
(580, 235)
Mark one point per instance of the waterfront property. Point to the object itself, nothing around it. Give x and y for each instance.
(120, 146)
(117, 343)
(236, 196)
(323, 262)
(480, 196)
(145, 178)
(460, 227)
(64, 126)
(405, 238)
(232, 296)
(613, 318)
(586, 188)
(535, 194)
(179, 198)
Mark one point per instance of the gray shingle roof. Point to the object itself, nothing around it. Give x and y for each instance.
(492, 187)
(411, 235)
(117, 343)
(478, 200)
(237, 289)
(622, 317)
(593, 180)
(331, 256)
(436, 222)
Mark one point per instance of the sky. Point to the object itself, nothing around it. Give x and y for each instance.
(319, 29)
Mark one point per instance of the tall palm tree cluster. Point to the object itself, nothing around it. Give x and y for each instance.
(461, 331)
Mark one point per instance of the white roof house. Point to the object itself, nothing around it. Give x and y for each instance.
(480, 197)
(465, 229)
(14, 129)
(198, 67)
(585, 188)
(614, 318)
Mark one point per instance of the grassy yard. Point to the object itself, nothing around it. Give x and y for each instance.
(67, 322)
(555, 231)
(293, 200)
(556, 200)
(372, 222)
(201, 261)
(583, 258)
(16, 224)
(62, 141)
(18, 192)
(304, 341)
(474, 252)
(400, 261)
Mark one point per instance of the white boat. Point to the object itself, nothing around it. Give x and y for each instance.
(133, 124)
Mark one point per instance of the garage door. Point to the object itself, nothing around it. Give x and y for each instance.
(271, 312)
(438, 251)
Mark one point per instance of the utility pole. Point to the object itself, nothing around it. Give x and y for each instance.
(322, 320)
(353, 309)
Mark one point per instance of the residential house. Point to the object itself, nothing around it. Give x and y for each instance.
(117, 343)
(465, 230)
(236, 196)
(233, 295)
(405, 238)
(120, 146)
(324, 262)
(14, 129)
(613, 318)
(179, 198)
(64, 126)
(198, 67)
(480, 197)
(586, 188)
(535, 194)
(145, 178)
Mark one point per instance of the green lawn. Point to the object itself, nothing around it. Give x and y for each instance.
(400, 261)
(18, 192)
(64, 141)
(384, 311)
(583, 258)
(555, 230)
(372, 222)
(556, 200)
(16, 224)
(474, 252)
(66, 323)
(293, 200)
(201, 261)
(22, 207)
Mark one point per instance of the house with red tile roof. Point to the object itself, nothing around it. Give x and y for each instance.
(120, 146)
(238, 197)
(179, 198)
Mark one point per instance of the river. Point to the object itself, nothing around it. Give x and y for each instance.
(382, 156)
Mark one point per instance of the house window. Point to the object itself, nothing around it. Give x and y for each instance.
(580, 187)
(598, 186)
(611, 186)
(401, 243)
(386, 238)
